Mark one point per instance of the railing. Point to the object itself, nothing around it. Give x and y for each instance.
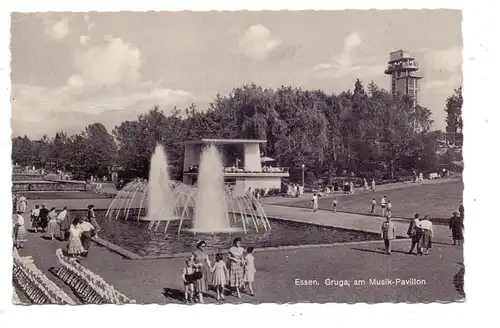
(90, 287)
(37, 287)
(237, 170)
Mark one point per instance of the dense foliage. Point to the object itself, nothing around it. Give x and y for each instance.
(366, 131)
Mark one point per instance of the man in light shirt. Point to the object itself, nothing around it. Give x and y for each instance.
(87, 231)
(388, 233)
(383, 203)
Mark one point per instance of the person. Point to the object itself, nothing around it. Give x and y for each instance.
(88, 231)
(201, 264)
(421, 177)
(220, 273)
(334, 205)
(249, 270)
(351, 187)
(373, 184)
(64, 223)
(187, 279)
(22, 204)
(457, 227)
(35, 217)
(236, 263)
(461, 211)
(44, 217)
(365, 185)
(374, 204)
(53, 225)
(415, 233)
(19, 230)
(75, 247)
(388, 233)
(315, 202)
(426, 240)
(389, 207)
(91, 218)
(383, 204)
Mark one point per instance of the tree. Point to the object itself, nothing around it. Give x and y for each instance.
(453, 111)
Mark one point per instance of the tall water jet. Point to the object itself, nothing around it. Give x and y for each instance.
(160, 197)
(211, 209)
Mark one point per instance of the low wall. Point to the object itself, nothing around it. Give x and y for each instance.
(19, 186)
(27, 177)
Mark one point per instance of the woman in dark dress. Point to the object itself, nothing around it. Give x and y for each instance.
(457, 229)
(202, 265)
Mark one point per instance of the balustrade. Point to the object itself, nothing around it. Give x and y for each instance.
(90, 287)
(37, 287)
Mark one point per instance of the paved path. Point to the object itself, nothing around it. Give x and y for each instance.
(158, 281)
(347, 221)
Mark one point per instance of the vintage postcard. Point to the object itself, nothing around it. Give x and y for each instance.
(237, 157)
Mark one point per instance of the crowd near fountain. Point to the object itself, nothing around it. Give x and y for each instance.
(209, 207)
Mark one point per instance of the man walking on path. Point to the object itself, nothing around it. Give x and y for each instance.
(388, 233)
(383, 203)
(415, 232)
(315, 202)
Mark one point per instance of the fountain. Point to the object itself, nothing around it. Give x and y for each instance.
(209, 208)
(160, 197)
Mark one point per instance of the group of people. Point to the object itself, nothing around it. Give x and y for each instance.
(420, 231)
(385, 206)
(237, 273)
(77, 232)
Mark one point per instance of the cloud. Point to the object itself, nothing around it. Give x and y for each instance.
(57, 30)
(106, 78)
(345, 64)
(442, 68)
(257, 42)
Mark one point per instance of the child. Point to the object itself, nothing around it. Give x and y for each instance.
(334, 205)
(187, 278)
(374, 203)
(388, 233)
(220, 273)
(249, 269)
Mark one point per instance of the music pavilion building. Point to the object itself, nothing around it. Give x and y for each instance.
(242, 161)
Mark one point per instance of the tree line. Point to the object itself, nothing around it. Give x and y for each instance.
(367, 131)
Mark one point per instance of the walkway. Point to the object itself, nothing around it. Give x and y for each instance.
(346, 220)
(158, 281)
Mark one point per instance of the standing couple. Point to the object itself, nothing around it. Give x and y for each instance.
(421, 233)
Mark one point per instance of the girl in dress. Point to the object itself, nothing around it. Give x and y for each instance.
(220, 273)
(53, 226)
(75, 247)
(236, 263)
(249, 269)
(19, 230)
(187, 278)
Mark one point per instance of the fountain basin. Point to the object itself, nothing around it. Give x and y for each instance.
(134, 236)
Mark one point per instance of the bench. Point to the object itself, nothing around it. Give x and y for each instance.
(433, 176)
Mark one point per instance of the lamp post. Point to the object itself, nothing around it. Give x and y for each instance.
(303, 168)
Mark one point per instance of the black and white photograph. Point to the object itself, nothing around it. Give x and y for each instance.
(231, 157)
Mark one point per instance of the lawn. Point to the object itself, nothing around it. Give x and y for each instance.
(63, 195)
(436, 200)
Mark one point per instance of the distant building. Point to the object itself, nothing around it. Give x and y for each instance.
(402, 68)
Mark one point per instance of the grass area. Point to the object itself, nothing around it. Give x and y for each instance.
(64, 195)
(436, 200)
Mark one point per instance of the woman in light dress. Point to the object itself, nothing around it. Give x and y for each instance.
(236, 266)
(53, 226)
(426, 239)
(75, 247)
(201, 263)
(19, 230)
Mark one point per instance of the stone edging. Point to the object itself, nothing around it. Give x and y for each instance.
(117, 249)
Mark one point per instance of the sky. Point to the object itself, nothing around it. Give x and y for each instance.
(73, 69)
